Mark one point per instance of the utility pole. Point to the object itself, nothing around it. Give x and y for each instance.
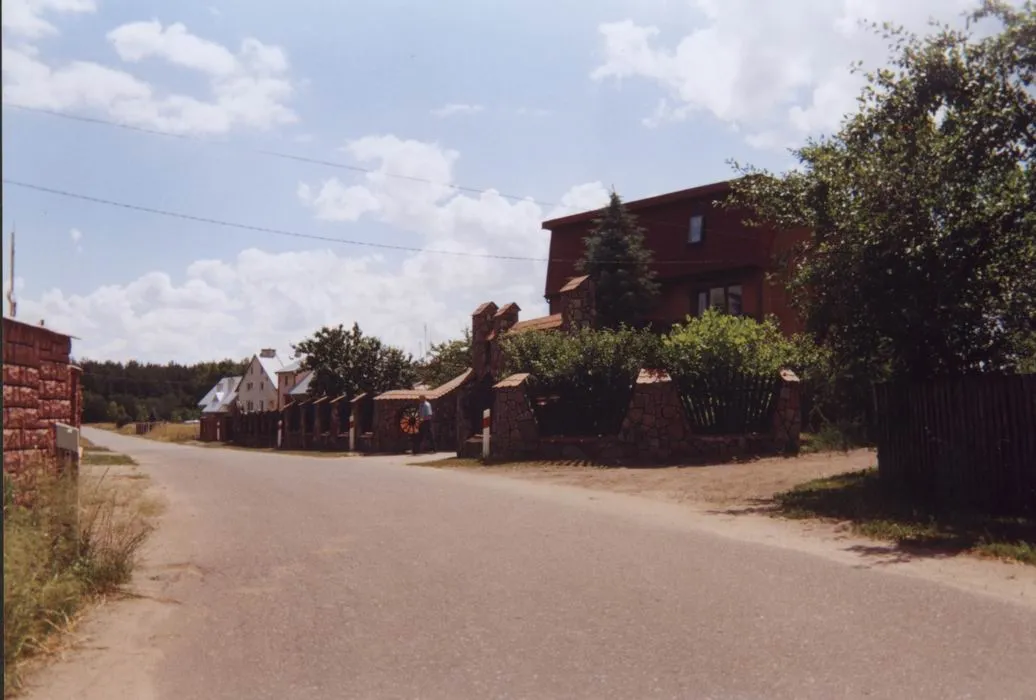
(12, 305)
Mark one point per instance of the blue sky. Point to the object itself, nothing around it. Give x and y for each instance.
(554, 101)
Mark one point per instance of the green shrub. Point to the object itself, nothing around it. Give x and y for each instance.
(582, 381)
(719, 344)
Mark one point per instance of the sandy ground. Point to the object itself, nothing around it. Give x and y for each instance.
(740, 484)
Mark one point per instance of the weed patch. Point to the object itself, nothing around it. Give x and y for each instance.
(54, 561)
(872, 510)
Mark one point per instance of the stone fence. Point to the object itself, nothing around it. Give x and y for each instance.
(655, 429)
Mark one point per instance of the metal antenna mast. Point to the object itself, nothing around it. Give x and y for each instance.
(12, 305)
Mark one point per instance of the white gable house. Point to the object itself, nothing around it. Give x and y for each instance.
(258, 388)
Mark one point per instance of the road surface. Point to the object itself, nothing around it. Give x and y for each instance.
(288, 577)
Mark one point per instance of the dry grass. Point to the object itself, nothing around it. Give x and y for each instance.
(50, 572)
(163, 432)
(174, 432)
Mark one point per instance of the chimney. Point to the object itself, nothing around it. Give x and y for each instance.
(267, 352)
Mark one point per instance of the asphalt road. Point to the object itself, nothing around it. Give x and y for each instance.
(298, 577)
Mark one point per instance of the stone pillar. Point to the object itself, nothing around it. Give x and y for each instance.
(515, 433)
(503, 321)
(481, 330)
(787, 418)
(578, 304)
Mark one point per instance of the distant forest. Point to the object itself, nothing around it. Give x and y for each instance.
(114, 392)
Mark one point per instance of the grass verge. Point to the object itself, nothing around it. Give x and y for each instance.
(51, 566)
(871, 510)
(162, 432)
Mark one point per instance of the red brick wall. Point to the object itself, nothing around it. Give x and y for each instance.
(41, 387)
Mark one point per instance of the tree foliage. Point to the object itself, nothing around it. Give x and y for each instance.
(348, 363)
(720, 344)
(581, 381)
(619, 263)
(124, 392)
(922, 260)
(446, 360)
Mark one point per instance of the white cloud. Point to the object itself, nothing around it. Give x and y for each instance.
(77, 239)
(249, 88)
(454, 109)
(24, 18)
(261, 299)
(776, 71)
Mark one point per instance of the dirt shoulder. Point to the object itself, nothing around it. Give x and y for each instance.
(738, 500)
(731, 485)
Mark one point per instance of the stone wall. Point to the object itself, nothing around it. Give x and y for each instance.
(655, 430)
(387, 437)
(41, 387)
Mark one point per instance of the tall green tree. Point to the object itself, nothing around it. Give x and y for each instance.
(347, 362)
(446, 360)
(619, 263)
(922, 260)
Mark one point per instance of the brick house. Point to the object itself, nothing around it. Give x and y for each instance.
(704, 255)
(41, 388)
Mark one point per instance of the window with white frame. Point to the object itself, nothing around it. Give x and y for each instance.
(726, 298)
(696, 228)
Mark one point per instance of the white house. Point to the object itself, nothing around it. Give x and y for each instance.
(258, 388)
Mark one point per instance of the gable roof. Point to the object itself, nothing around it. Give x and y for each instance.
(292, 366)
(270, 365)
(301, 387)
(221, 396)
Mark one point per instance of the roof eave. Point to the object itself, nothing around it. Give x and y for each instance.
(714, 188)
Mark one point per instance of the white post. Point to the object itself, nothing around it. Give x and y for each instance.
(280, 433)
(485, 434)
(352, 432)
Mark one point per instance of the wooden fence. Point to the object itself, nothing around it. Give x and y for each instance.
(964, 442)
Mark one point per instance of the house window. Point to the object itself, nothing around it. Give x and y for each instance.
(728, 298)
(249, 386)
(262, 386)
(251, 406)
(696, 229)
(260, 405)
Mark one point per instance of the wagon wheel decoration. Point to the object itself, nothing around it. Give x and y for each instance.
(409, 420)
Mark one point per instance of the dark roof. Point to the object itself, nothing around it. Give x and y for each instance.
(716, 188)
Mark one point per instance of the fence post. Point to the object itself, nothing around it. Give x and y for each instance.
(485, 434)
(280, 433)
(352, 431)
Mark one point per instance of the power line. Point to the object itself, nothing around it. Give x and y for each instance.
(313, 236)
(267, 152)
(319, 161)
